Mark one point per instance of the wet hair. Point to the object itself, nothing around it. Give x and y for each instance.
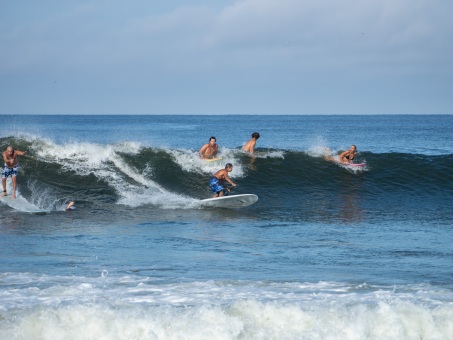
(255, 135)
(228, 165)
(212, 137)
(355, 147)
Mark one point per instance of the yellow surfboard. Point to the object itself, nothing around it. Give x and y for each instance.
(213, 159)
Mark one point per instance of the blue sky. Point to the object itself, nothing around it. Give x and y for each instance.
(226, 57)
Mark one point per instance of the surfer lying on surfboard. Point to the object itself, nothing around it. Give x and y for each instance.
(345, 157)
(217, 181)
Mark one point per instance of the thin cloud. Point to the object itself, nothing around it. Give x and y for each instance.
(269, 46)
(256, 31)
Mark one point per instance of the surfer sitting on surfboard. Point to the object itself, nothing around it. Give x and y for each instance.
(344, 157)
(217, 181)
(11, 168)
(210, 149)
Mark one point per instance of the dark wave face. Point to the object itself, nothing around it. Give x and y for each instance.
(291, 185)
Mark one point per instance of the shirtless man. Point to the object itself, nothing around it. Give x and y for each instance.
(210, 149)
(11, 168)
(217, 181)
(250, 145)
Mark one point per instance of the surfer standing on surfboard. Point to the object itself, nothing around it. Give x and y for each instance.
(11, 168)
(217, 181)
(344, 157)
(210, 149)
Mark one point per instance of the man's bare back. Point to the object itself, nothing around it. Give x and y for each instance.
(250, 145)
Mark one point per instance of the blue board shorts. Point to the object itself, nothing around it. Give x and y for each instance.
(10, 171)
(215, 185)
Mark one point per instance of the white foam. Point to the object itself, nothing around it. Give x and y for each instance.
(43, 198)
(190, 161)
(104, 162)
(318, 151)
(129, 307)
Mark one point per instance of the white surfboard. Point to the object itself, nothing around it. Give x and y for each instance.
(231, 201)
(21, 204)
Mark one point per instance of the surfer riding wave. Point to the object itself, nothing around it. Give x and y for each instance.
(217, 181)
(345, 157)
(11, 168)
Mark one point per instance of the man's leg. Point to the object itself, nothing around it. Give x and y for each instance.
(13, 178)
(4, 186)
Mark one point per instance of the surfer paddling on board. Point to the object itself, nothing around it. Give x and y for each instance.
(348, 155)
(217, 181)
(250, 145)
(345, 157)
(11, 168)
(209, 150)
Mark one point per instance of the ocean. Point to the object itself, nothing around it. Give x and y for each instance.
(327, 252)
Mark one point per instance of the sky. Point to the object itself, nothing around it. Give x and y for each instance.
(226, 57)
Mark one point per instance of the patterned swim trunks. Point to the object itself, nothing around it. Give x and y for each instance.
(215, 185)
(10, 171)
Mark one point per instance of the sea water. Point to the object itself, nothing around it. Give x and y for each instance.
(327, 252)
